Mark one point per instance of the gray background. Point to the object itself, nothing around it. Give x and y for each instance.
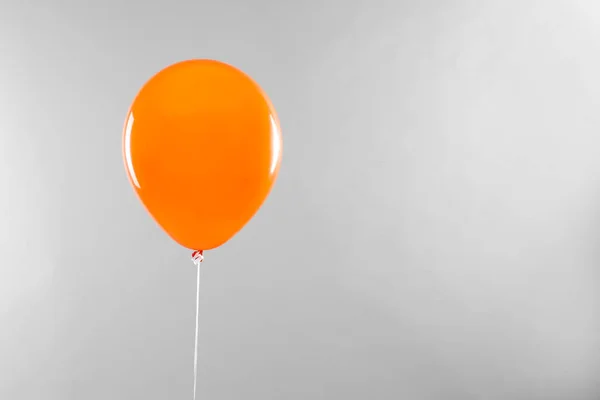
(433, 234)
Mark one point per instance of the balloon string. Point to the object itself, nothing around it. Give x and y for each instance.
(197, 258)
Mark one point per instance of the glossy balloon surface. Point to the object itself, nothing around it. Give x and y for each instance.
(202, 147)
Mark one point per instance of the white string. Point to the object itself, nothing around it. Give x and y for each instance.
(197, 259)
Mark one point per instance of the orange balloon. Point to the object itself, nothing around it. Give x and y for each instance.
(202, 148)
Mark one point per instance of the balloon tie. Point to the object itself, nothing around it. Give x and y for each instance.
(197, 258)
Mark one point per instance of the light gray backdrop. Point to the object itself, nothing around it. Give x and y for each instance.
(433, 234)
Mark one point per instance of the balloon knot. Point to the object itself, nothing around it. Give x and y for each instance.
(197, 257)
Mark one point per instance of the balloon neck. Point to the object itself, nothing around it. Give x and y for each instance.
(198, 257)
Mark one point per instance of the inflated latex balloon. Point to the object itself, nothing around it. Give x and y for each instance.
(202, 148)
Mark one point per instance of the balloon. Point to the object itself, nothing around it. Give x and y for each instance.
(202, 149)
